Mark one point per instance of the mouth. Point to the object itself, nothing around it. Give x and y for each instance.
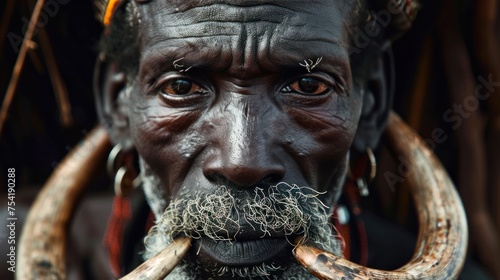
(237, 233)
(242, 253)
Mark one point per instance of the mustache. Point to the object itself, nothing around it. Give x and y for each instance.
(282, 209)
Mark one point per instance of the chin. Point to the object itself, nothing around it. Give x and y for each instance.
(196, 265)
(190, 270)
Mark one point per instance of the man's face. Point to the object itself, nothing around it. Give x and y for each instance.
(247, 97)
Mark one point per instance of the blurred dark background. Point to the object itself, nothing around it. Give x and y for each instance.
(35, 136)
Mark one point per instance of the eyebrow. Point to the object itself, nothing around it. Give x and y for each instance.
(333, 66)
(277, 52)
(160, 58)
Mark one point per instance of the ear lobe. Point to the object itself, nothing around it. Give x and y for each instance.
(377, 104)
(110, 95)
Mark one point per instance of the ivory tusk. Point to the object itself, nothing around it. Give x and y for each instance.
(159, 266)
(43, 240)
(442, 240)
(440, 252)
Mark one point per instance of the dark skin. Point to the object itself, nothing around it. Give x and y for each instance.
(221, 98)
(233, 106)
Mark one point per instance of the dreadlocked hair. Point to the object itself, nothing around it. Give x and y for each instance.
(365, 25)
(119, 43)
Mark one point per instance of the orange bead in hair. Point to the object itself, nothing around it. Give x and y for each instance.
(110, 8)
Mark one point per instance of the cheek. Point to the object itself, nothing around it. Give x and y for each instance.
(164, 137)
(327, 134)
(331, 125)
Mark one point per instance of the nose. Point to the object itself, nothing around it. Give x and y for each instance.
(244, 154)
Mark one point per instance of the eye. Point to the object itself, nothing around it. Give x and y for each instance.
(182, 87)
(307, 86)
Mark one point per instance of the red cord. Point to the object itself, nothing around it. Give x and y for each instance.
(113, 237)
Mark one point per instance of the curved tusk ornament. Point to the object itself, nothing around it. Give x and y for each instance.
(439, 254)
(442, 239)
(159, 266)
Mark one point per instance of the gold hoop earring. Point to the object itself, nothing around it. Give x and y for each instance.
(359, 174)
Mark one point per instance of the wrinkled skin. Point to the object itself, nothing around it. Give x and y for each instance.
(243, 126)
(221, 99)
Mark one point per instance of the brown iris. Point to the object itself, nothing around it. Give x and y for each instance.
(309, 86)
(181, 87)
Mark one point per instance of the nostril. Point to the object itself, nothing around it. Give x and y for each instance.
(243, 180)
(272, 179)
(248, 173)
(216, 178)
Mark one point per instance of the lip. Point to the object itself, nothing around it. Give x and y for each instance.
(237, 253)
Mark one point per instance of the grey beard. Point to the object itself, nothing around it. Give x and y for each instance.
(155, 194)
(284, 208)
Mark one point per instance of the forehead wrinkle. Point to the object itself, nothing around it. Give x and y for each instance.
(226, 13)
(300, 37)
(183, 11)
(295, 5)
(184, 23)
(232, 29)
(207, 21)
(240, 11)
(219, 13)
(277, 35)
(292, 5)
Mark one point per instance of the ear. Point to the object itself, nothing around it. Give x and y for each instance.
(377, 102)
(110, 90)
